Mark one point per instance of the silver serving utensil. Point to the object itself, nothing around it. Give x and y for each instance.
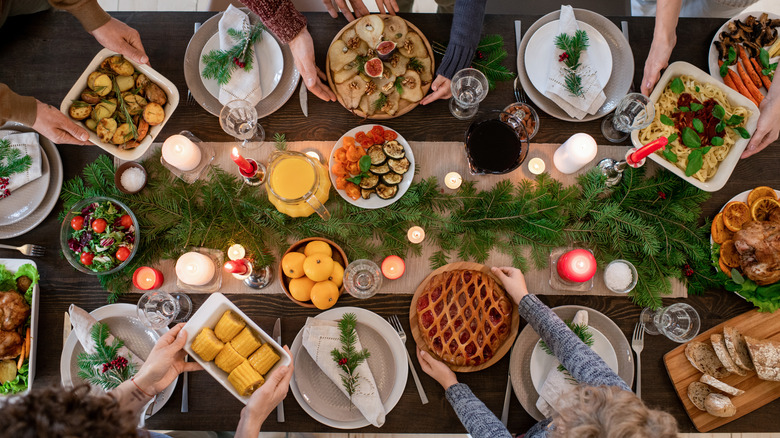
(185, 392)
(277, 333)
(28, 249)
(303, 96)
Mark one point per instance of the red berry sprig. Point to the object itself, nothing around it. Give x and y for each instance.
(687, 270)
(238, 62)
(4, 192)
(564, 56)
(117, 364)
(662, 195)
(343, 361)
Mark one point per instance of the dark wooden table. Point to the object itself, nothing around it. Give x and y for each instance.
(43, 55)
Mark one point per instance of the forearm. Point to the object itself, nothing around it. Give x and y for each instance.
(464, 36)
(17, 108)
(666, 17)
(248, 426)
(478, 420)
(131, 397)
(88, 12)
(280, 16)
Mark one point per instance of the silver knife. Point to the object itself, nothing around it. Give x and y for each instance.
(278, 324)
(505, 411)
(303, 95)
(518, 35)
(185, 390)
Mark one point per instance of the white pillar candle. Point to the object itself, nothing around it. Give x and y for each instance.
(536, 166)
(181, 153)
(415, 234)
(579, 150)
(453, 180)
(195, 268)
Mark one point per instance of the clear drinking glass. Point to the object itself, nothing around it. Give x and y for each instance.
(362, 278)
(634, 111)
(469, 87)
(679, 322)
(158, 309)
(239, 119)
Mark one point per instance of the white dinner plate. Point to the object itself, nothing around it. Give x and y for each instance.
(374, 201)
(13, 265)
(124, 324)
(24, 200)
(712, 59)
(542, 363)
(270, 64)
(322, 399)
(541, 49)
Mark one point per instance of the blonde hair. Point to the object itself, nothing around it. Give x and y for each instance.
(610, 412)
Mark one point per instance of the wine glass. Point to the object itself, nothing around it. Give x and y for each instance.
(362, 278)
(679, 322)
(469, 87)
(634, 111)
(158, 309)
(239, 119)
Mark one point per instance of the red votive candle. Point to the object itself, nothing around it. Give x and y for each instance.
(577, 266)
(648, 149)
(238, 267)
(243, 165)
(393, 267)
(146, 278)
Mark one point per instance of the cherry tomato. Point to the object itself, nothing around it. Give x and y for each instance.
(378, 138)
(126, 221)
(77, 223)
(122, 253)
(390, 135)
(99, 225)
(365, 140)
(86, 258)
(360, 137)
(378, 131)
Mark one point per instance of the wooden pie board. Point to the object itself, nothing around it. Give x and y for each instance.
(513, 329)
(401, 110)
(757, 392)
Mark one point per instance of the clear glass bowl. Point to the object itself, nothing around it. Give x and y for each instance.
(634, 276)
(527, 114)
(66, 231)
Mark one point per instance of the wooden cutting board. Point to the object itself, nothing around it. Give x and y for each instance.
(757, 392)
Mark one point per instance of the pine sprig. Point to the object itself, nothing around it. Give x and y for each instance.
(12, 161)
(109, 377)
(219, 64)
(581, 330)
(572, 47)
(348, 357)
(280, 141)
(488, 59)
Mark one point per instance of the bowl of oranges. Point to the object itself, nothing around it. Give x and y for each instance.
(312, 272)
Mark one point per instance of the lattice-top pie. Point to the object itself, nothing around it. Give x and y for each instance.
(464, 316)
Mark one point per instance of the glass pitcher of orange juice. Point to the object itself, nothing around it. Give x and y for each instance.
(298, 185)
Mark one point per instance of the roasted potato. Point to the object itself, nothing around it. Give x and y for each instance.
(154, 114)
(125, 82)
(135, 104)
(132, 144)
(7, 370)
(142, 128)
(90, 97)
(80, 110)
(106, 128)
(122, 134)
(141, 81)
(101, 111)
(91, 124)
(121, 66)
(102, 85)
(91, 79)
(155, 94)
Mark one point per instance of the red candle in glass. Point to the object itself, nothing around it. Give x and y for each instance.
(393, 267)
(648, 149)
(238, 267)
(146, 278)
(577, 266)
(243, 165)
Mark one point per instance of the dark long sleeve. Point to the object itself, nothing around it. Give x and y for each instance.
(464, 36)
(478, 420)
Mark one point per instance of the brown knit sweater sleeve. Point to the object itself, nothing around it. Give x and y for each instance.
(280, 16)
(14, 107)
(88, 12)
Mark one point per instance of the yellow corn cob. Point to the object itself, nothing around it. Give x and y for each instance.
(228, 326)
(263, 359)
(245, 379)
(206, 345)
(246, 342)
(228, 359)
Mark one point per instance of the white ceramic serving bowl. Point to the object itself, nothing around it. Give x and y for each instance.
(726, 167)
(154, 76)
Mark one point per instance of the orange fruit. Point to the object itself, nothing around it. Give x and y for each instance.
(760, 192)
(292, 264)
(726, 270)
(337, 276)
(318, 267)
(318, 247)
(763, 207)
(324, 294)
(719, 231)
(729, 254)
(300, 288)
(735, 214)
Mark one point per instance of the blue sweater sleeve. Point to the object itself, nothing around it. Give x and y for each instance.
(464, 36)
(478, 420)
(583, 363)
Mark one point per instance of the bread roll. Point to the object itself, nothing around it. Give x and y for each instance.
(246, 342)
(245, 379)
(263, 359)
(228, 326)
(228, 359)
(766, 357)
(719, 405)
(206, 345)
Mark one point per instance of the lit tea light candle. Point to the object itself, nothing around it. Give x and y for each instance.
(415, 234)
(393, 267)
(237, 267)
(577, 266)
(181, 153)
(536, 166)
(453, 180)
(236, 252)
(315, 155)
(244, 166)
(579, 150)
(146, 278)
(195, 268)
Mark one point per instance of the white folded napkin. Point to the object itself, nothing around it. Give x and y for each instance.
(243, 84)
(320, 337)
(593, 93)
(552, 396)
(29, 144)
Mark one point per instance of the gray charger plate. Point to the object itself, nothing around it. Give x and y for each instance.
(267, 106)
(622, 65)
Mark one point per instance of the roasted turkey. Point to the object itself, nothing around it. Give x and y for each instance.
(14, 310)
(758, 244)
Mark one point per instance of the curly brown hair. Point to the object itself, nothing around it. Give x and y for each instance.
(66, 412)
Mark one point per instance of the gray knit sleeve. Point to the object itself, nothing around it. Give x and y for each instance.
(478, 420)
(464, 36)
(583, 363)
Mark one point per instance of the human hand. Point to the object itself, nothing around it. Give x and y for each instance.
(513, 280)
(121, 38)
(57, 127)
(768, 128)
(436, 369)
(302, 49)
(657, 60)
(440, 89)
(165, 362)
(271, 393)
(384, 6)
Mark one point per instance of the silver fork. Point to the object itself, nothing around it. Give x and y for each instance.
(396, 323)
(519, 93)
(638, 344)
(190, 99)
(28, 249)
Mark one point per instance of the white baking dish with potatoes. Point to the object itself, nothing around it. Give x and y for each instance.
(148, 98)
(208, 317)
